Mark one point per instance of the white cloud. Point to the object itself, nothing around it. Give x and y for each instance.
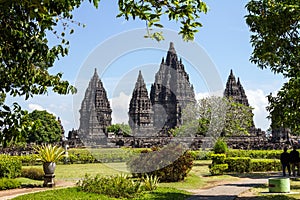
(33, 107)
(258, 100)
(120, 106)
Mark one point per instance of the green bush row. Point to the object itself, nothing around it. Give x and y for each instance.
(6, 183)
(33, 173)
(242, 164)
(10, 167)
(253, 154)
(257, 154)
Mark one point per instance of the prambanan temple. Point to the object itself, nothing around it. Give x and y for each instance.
(150, 116)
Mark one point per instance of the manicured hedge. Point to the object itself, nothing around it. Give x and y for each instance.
(265, 165)
(242, 164)
(257, 154)
(238, 164)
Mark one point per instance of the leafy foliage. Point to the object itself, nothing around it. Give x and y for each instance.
(275, 25)
(6, 183)
(33, 173)
(150, 182)
(218, 169)
(26, 55)
(47, 128)
(220, 146)
(170, 164)
(120, 129)
(151, 11)
(10, 167)
(213, 115)
(49, 153)
(14, 125)
(119, 186)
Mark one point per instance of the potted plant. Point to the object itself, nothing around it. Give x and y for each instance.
(49, 155)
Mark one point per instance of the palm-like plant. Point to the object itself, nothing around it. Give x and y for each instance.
(49, 153)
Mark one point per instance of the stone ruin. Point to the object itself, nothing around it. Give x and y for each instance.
(151, 118)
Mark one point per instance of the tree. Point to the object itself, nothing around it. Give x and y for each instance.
(26, 56)
(47, 128)
(120, 129)
(275, 26)
(212, 116)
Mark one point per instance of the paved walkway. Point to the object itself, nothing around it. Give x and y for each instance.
(227, 191)
(10, 194)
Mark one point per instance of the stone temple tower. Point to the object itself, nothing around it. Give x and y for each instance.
(95, 113)
(170, 93)
(235, 90)
(140, 110)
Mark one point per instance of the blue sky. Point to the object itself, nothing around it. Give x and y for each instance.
(222, 43)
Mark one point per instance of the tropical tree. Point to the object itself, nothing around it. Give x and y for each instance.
(120, 129)
(275, 26)
(47, 129)
(212, 116)
(26, 55)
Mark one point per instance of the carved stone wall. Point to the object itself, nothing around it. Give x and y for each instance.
(95, 113)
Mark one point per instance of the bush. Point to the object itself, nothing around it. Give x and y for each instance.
(10, 167)
(169, 164)
(29, 160)
(6, 184)
(33, 173)
(239, 165)
(119, 186)
(256, 154)
(201, 154)
(150, 182)
(218, 169)
(220, 146)
(218, 158)
(265, 165)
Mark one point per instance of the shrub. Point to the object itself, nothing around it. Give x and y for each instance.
(201, 154)
(10, 167)
(169, 164)
(150, 182)
(257, 154)
(220, 146)
(6, 183)
(218, 169)
(239, 165)
(119, 186)
(265, 165)
(218, 158)
(33, 173)
(29, 160)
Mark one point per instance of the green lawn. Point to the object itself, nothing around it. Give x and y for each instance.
(199, 177)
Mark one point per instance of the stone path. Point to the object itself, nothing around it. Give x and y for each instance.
(228, 191)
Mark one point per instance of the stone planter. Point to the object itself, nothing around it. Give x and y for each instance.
(49, 168)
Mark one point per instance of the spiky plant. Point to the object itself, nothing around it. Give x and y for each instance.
(49, 153)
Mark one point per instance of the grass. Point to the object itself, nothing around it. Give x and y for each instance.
(74, 193)
(199, 177)
(75, 172)
(262, 192)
